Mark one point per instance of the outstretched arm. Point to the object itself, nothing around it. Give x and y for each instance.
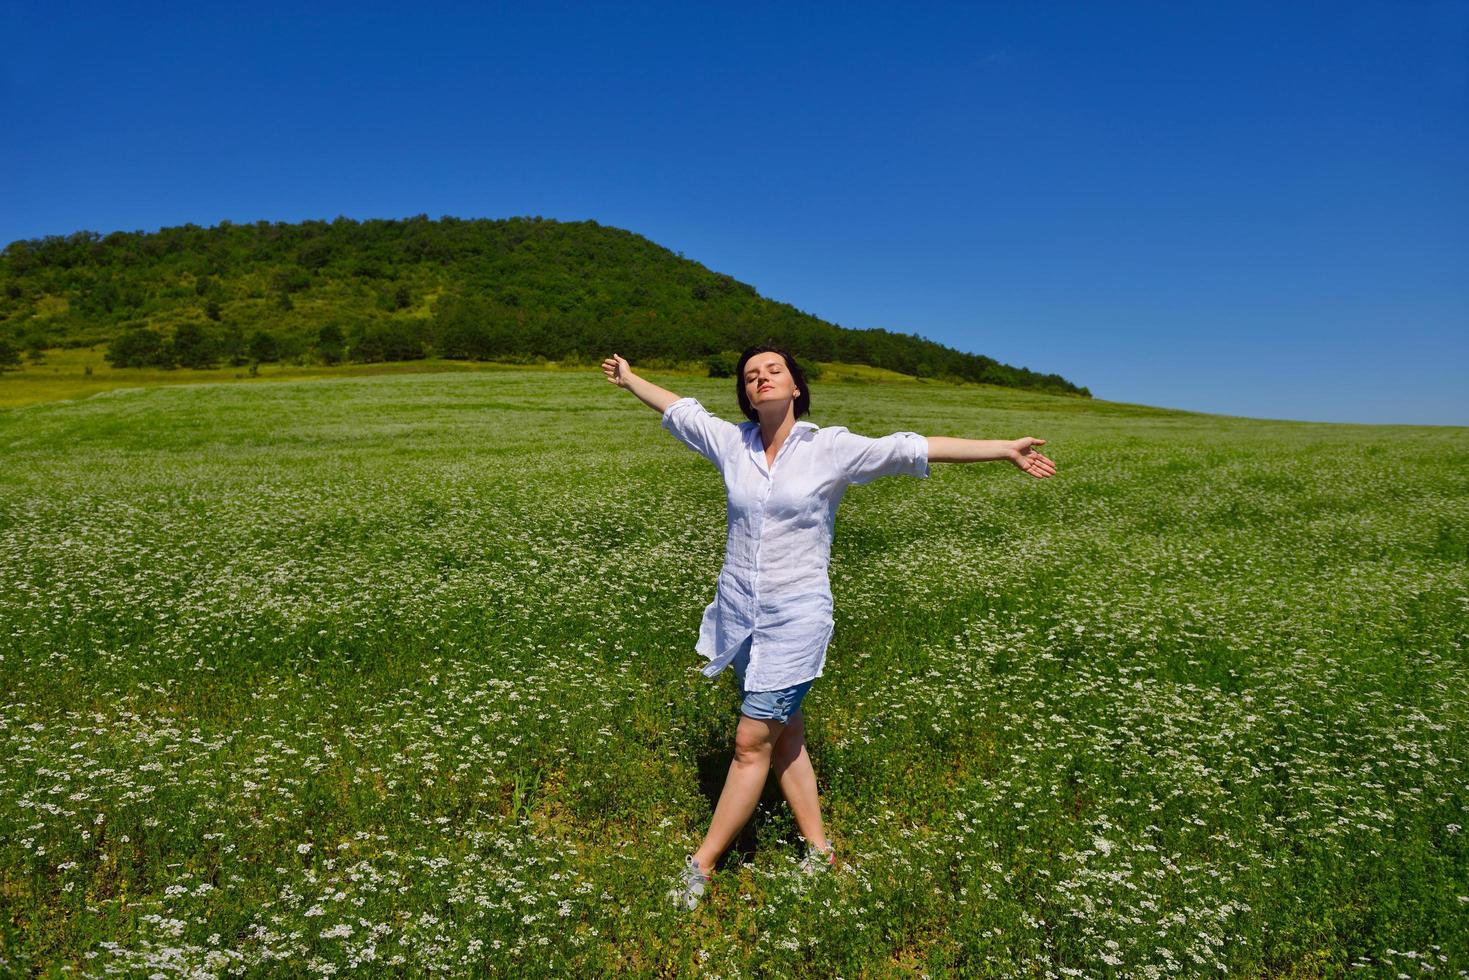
(1021, 452)
(690, 422)
(619, 373)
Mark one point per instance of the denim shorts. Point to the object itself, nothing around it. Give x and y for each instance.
(770, 705)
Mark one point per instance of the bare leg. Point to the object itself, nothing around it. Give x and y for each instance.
(798, 780)
(754, 741)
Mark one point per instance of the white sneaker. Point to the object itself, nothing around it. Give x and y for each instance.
(692, 884)
(818, 860)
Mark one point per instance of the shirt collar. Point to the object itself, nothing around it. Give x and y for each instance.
(801, 423)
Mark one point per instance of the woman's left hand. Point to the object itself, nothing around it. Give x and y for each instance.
(1024, 456)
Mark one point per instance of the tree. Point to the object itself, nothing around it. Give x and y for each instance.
(263, 348)
(9, 355)
(132, 348)
(386, 341)
(193, 348)
(163, 357)
(723, 364)
(232, 346)
(290, 280)
(292, 347)
(367, 345)
(138, 347)
(459, 329)
(314, 253)
(330, 344)
(464, 339)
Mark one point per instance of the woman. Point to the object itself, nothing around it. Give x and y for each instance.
(771, 616)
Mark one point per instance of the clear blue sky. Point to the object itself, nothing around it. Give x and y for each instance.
(1256, 209)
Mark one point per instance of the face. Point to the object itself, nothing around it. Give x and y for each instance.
(767, 380)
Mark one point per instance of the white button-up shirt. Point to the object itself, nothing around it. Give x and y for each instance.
(774, 582)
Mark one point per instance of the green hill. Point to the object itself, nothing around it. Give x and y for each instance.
(517, 289)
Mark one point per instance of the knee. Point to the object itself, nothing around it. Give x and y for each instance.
(752, 751)
(754, 742)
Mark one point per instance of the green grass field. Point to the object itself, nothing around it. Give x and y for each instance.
(67, 374)
(396, 674)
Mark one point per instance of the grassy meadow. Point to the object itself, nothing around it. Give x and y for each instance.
(396, 674)
(67, 374)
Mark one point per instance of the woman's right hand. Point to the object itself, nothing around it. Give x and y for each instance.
(617, 370)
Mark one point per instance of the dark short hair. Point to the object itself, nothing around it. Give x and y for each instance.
(803, 400)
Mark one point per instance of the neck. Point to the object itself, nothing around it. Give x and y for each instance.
(773, 429)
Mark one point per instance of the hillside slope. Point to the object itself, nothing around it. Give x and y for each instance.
(516, 288)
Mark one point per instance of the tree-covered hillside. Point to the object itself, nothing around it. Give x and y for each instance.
(511, 289)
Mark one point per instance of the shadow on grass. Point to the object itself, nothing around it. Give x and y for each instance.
(770, 826)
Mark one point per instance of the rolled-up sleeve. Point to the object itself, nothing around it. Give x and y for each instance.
(861, 459)
(701, 430)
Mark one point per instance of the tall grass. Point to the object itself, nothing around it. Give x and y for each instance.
(398, 672)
